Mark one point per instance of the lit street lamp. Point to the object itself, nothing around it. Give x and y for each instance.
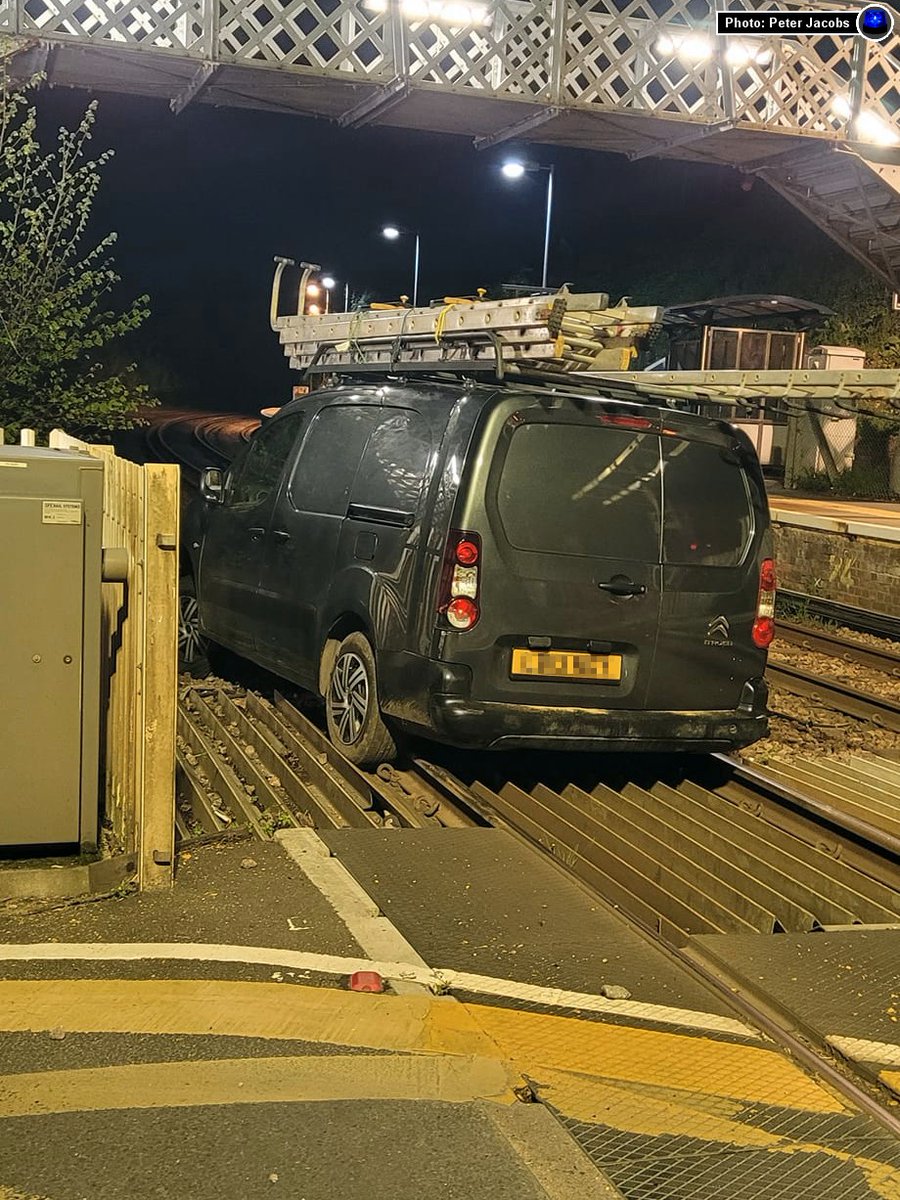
(392, 233)
(513, 170)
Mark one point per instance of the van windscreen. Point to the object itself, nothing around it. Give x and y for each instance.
(708, 515)
(585, 490)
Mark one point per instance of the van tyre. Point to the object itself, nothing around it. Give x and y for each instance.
(193, 648)
(355, 724)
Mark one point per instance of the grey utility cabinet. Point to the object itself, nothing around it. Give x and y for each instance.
(51, 559)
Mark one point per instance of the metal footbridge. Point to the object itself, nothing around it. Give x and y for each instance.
(813, 116)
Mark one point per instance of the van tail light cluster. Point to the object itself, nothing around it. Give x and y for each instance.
(764, 625)
(459, 599)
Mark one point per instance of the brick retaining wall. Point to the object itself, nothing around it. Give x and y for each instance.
(854, 570)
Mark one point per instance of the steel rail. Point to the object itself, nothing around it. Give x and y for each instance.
(821, 641)
(293, 769)
(860, 619)
(819, 810)
(833, 694)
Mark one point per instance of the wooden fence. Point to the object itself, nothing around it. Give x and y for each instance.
(141, 509)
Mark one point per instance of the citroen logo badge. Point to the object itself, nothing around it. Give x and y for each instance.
(718, 632)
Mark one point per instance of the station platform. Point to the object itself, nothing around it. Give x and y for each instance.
(529, 1043)
(859, 518)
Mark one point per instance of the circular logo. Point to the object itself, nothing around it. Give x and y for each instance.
(875, 22)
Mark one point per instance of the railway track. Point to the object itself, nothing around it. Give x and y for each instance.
(823, 641)
(196, 440)
(687, 845)
(835, 694)
(850, 617)
(827, 689)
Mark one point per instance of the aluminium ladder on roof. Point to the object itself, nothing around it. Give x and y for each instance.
(543, 337)
(558, 334)
(843, 391)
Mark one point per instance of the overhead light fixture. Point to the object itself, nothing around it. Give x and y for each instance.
(312, 289)
(513, 169)
(871, 128)
(391, 232)
(697, 47)
(742, 54)
(328, 282)
(694, 47)
(457, 13)
(840, 106)
(868, 126)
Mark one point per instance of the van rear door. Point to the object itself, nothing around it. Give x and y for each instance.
(715, 534)
(568, 503)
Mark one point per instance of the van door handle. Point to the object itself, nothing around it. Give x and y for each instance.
(281, 534)
(256, 533)
(621, 585)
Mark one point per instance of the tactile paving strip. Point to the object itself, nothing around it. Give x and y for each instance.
(787, 1156)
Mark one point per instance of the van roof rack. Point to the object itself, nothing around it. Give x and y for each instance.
(553, 334)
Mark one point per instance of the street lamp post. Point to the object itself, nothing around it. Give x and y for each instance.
(515, 170)
(392, 233)
(328, 283)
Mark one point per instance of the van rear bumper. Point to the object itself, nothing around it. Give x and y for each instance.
(464, 722)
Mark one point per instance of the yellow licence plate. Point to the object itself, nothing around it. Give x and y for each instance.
(568, 664)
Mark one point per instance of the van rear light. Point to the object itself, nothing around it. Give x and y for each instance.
(466, 553)
(764, 624)
(626, 422)
(462, 613)
(460, 580)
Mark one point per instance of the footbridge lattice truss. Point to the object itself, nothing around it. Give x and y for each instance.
(816, 117)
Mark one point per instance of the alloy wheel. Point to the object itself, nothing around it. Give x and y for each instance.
(348, 697)
(191, 643)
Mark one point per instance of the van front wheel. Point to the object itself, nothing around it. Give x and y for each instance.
(355, 724)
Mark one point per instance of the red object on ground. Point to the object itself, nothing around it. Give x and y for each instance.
(366, 981)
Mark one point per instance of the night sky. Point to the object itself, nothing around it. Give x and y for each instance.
(203, 201)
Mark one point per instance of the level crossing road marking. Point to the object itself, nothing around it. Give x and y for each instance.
(431, 1024)
(429, 979)
(637, 1080)
(366, 924)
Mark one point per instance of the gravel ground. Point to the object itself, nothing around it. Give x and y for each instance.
(859, 677)
(801, 728)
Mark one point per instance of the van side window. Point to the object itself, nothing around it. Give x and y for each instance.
(395, 464)
(708, 518)
(329, 458)
(258, 475)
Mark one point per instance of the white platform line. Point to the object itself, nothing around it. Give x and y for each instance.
(377, 936)
(886, 1053)
(436, 980)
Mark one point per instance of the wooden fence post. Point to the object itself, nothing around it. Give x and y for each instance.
(156, 822)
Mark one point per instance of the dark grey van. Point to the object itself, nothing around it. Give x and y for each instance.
(496, 566)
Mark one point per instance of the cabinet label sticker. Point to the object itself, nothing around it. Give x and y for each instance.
(61, 512)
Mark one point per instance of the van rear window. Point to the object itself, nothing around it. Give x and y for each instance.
(581, 489)
(708, 514)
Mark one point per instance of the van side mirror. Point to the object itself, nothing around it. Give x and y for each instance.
(212, 484)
